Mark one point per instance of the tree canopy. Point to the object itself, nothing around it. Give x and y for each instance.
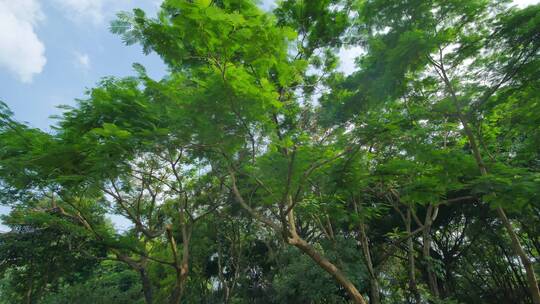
(256, 172)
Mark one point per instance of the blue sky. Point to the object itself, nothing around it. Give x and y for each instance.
(52, 50)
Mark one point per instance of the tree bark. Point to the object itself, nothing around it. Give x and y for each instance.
(426, 251)
(147, 286)
(29, 292)
(325, 264)
(222, 280)
(413, 288)
(141, 269)
(516, 245)
(518, 249)
(181, 267)
(294, 239)
(374, 294)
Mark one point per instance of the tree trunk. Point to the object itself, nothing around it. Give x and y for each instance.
(516, 245)
(325, 264)
(413, 288)
(292, 238)
(222, 280)
(141, 269)
(374, 294)
(432, 278)
(146, 285)
(182, 270)
(179, 288)
(426, 251)
(518, 249)
(29, 292)
(295, 240)
(181, 267)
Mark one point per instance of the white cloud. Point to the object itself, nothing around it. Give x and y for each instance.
(21, 51)
(348, 57)
(524, 3)
(83, 60)
(99, 12)
(83, 10)
(268, 5)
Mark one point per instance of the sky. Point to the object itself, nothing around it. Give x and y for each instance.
(51, 51)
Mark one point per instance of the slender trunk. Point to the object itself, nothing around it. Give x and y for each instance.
(176, 295)
(413, 288)
(333, 240)
(222, 279)
(374, 294)
(516, 245)
(179, 288)
(432, 278)
(292, 238)
(323, 262)
(426, 251)
(517, 274)
(236, 254)
(227, 294)
(29, 292)
(141, 269)
(185, 268)
(146, 285)
(518, 249)
(182, 270)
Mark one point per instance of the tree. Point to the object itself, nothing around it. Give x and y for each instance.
(247, 88)
(454, 48)
(255, 171)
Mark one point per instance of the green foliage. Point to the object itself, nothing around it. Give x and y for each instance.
(386, 181)
(300, 282)
(110, 283)
(43, 251)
